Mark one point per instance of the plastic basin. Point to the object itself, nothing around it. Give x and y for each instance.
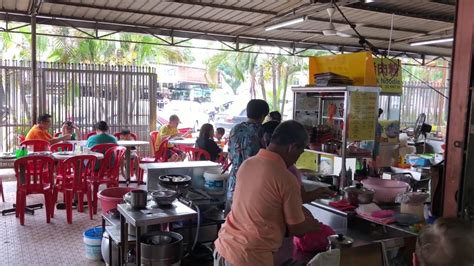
(110, 197)
(385, 190)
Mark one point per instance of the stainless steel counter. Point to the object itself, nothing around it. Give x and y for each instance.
(152, 215)
(156, 215)
(361, 230)
(194, 169)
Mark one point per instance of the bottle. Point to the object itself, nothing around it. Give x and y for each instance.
(365, 169)
(73, 136)
(358, 174)
(348, 177)
(24, 151)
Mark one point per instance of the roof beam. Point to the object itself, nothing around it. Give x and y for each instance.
(226, 7)
(367, 25)
(139, 12)
(398, 12)
(178, 33)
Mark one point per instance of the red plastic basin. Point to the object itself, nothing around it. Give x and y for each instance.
(110, 197)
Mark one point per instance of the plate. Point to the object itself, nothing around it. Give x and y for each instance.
(64, 153)
(7, 155)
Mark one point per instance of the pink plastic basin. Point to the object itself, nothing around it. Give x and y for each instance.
(385, 190)
(110, 197)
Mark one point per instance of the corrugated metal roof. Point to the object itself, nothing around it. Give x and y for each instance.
(226, 20)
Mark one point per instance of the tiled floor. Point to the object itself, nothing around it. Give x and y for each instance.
(39, 243)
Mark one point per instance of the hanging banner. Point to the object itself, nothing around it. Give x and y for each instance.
(356, 66)
(389, 75)
(362, 116)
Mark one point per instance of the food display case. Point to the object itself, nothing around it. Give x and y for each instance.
(341, 122)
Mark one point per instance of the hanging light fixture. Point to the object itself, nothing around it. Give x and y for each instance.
(443, 40)
(285, 23)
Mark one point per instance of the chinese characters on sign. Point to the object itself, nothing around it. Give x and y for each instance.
(389, 75)
(362, 116)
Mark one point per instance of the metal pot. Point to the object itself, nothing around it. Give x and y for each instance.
(136, 198)
(358, 194)
(340, 241)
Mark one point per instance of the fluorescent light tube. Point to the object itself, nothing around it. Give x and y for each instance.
(285, 23)
(432, 41)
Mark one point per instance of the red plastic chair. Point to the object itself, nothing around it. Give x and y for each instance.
(90, 134)
(34, 175)
(62, 146)
(160, 156)
(224, 161)
(153, 139)
(76, 173)
(103, 148)
(117, 135)
(194, 154)
(57, 134)
(21, 138)
(38, 144)
(108, 173)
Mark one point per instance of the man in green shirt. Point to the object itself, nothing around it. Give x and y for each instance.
(102, 136)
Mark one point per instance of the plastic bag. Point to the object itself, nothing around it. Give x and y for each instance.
(315, 241)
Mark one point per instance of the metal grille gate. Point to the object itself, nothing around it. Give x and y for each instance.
(123, 96)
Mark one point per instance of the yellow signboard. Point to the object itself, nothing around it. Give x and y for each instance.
(389, 75)
(362, 116)
(356, 66)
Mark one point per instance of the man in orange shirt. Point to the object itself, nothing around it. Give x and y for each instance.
(40, 131)
(267, 202)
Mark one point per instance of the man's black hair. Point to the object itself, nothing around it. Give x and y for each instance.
(102, 126)
(257, 109)
(44, 118)
(275, 116)
(290, 132)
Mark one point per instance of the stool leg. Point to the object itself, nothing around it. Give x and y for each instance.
(1, 190)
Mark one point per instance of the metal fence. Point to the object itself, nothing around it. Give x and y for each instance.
(82, 93)
(417, 98)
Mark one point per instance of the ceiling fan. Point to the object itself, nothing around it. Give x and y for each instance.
(330, 30)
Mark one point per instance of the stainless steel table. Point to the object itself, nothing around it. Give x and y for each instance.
(152, 215)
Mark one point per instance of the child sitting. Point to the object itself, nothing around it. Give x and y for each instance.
(220, 132)
(125, 134)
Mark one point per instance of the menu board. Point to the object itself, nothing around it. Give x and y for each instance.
(362, 116)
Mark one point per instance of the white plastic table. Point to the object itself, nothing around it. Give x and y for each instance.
(69, 154)
(129, 144)
(186, 141)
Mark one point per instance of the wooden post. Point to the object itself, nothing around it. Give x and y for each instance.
(459, 99)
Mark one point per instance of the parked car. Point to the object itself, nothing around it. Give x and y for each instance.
(235, 114)
(192, 114)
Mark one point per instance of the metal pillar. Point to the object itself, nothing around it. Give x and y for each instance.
(34, 71)
(459, 173)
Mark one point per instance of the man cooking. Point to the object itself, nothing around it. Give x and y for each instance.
(267, 202)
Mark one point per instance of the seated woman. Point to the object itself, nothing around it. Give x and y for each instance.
(68, 128)
(206, 141)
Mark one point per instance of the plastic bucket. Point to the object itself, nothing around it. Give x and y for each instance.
(215, 182)
(110, 197)
(93, 242)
